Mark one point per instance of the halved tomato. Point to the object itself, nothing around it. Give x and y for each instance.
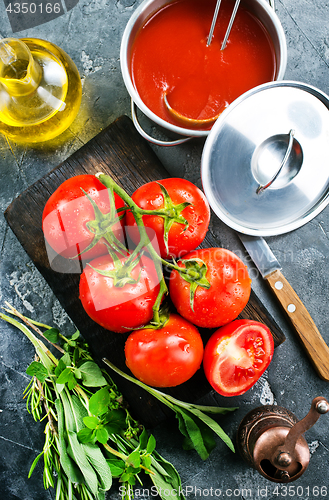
(236, 355)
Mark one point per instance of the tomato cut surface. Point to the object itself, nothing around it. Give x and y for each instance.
(165, 357)
(236, 355)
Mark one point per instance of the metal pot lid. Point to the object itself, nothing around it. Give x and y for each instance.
(265, 163)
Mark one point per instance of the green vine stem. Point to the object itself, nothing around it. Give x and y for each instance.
(195, 269)
(138, 215)
(144, 242)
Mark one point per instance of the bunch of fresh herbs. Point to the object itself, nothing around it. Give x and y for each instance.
(90, 435)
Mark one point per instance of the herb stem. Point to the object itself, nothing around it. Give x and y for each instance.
(47, 357)
(55, 394)
(32, 324)
(189, 412)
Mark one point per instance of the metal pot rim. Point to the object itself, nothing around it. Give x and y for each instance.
(124, 61)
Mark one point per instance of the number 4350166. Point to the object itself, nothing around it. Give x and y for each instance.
(32, 8)
(299, 491)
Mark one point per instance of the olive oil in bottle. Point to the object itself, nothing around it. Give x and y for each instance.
(40, 90)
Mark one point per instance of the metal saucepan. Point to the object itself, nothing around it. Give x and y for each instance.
(260, 8)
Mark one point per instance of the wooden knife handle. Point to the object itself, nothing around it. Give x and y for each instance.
(315, 346)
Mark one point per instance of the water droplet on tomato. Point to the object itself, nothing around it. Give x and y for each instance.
(186, 348)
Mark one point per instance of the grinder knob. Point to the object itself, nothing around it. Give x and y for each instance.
(270, 439)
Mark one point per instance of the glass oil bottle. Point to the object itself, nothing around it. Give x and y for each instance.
(40, 90)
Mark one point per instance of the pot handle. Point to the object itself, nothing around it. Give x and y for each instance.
(147, 136)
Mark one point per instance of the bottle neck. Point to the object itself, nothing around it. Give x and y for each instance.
(20, 74)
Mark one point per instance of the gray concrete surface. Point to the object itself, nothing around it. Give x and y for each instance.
(91, 33)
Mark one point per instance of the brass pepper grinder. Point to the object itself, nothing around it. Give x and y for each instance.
(270, 439)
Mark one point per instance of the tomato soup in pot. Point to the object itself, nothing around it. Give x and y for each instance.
(172, 68)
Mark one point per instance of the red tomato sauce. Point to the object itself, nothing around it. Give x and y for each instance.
(170, 55)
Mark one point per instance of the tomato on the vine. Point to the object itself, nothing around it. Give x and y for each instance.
(76, 216)
(182, 200)
(165, 357)
(227, 295)
(119, 306)
(236, 355)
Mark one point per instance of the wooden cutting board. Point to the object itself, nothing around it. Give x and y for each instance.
(122, 153)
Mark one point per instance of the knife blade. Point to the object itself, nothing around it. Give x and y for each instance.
(270, 269)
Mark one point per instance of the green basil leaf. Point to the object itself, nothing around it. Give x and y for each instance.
(72, 381)
(52, 334)
(75, 335)
(207, 436)
(117, 417)
(91, 422)
(113, 428)
(85, 435)
(76, 357)
(166, 478)
(133, 470)
(134, 459)
(64, 376)
(92, 375)
(129, 478)
(151, 444)
(181, 424)
(143, 438)
(98, 403)
(212, 409)
(102, 435)
(59, 368)
(117, 466)
(147, 462)
(66, 359)
(38, 370)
